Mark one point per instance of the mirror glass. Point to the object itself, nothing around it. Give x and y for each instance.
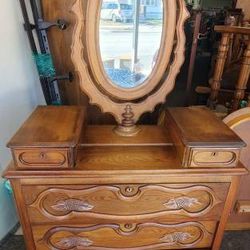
(129, 38)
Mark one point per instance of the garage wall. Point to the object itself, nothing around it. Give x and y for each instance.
(20, 92)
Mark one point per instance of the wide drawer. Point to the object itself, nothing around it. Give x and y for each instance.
(125, 236)
(40, 158)
(172, 201)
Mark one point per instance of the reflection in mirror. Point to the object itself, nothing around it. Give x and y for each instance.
(130, 37)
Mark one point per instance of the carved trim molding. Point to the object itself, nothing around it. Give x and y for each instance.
(182, 203)
(41, 158)
(176, 238)
(70, 205)
(62, 203)
(186, 235)
(93, 90)
(73, 242)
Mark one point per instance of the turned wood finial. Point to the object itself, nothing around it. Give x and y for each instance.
(128, 116)
(127, 127)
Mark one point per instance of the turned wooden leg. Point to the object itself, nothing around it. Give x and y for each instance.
(241, 86)
(219, 68)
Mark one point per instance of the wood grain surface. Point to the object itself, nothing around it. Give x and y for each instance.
(143, 236)
(50, 126)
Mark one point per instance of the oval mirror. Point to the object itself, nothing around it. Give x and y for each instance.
(130, 34)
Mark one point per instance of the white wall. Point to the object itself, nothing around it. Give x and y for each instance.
(20, 92)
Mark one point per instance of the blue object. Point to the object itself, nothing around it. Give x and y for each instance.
(124, 78)
(44, 65)
(8, 186)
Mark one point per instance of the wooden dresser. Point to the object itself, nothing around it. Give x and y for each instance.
(85, 187)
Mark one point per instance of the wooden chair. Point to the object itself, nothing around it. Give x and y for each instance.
(239, 121)
(241, 85)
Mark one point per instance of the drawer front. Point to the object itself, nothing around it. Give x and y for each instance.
(43, 158)
(125, 201)
(125, 236)
(210, 157)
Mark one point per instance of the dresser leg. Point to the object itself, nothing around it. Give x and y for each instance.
(227, 209)
(23, 216)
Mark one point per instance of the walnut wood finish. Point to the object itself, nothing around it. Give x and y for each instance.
(23, 215)
(42, 193)
(60, 42)
(125, 202)
(90, 73)
(105, 136)
(131, 193)
(60, 47)
(34, 158)
(50, 126)
(48, 138)
(227, 209)
(212, 145)
(126, 236)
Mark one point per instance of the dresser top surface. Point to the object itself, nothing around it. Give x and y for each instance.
(105, 136)
(50, 126)
(101, 158)
(198, 126)
(101, 152)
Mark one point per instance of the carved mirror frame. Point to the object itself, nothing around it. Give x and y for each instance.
(127, 105)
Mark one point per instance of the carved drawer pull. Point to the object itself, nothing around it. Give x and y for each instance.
(176, 238)
(72, 205)
(182, 202)
(74, 242)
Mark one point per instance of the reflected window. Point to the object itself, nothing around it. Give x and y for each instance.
(130, 36)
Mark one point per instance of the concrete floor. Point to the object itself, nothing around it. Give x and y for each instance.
(238, 240)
